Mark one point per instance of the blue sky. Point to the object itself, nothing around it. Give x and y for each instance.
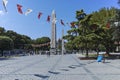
(33, 27)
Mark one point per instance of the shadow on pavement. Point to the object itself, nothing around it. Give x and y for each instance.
(54, 72)
(64, 69)
(106, 62)
(72, 67)
(78, 65)
(6, 58)
(41, 76)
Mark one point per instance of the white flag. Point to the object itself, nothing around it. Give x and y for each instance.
(28, 11)
(4, 4)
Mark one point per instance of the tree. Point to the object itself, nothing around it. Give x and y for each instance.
(2, 31)
(70, 37)
(103, 19)
(43, 42)
(116, 27)
(83, 26)
(80, 35)
(6, 43)
(92, 31)
(20, 41)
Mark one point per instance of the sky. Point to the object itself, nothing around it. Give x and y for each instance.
(33, 27)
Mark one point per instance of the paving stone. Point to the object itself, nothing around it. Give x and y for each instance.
(58, 67)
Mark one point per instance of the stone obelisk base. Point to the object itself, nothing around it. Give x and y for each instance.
(53, 51)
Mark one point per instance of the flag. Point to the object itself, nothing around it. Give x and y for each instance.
(19, 7)
(62, 22)
(4, 4)
(72, 24)
(48, 18)
(108, 25)
(28, 11)
(39, 15)
(119, 2)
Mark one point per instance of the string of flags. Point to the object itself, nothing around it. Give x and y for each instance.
(41, 45)
(28, 11)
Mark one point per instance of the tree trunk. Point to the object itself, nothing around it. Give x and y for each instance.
(107, 50)
(82, 50)
(97, 48)
(87, 52)
(86, 49)
(2, 53)
(118, 46)
(97, 51)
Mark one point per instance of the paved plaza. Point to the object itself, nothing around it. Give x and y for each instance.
(57, 67)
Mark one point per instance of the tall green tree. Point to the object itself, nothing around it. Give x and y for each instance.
(6, 43)
(81, 37)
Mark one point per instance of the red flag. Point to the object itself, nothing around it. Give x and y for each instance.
(19, 7)
(72, 24)
(48, 18)
(39, 15)
(108, 25)
(62, 22)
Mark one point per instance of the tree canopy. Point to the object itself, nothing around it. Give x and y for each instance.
(92, 31)
(23, 41)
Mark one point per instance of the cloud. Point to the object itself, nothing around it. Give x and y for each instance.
(1, 13)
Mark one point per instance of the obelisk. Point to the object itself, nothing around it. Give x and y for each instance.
(53, 34)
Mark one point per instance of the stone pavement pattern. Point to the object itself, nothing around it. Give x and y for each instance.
(58, 67)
